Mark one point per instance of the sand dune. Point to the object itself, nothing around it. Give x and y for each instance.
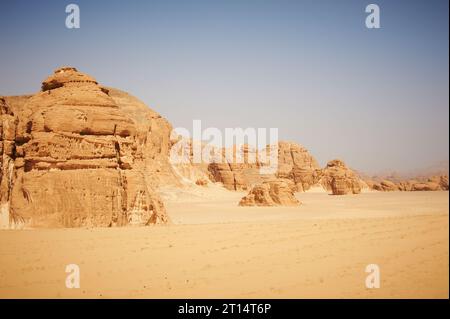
(216, 249)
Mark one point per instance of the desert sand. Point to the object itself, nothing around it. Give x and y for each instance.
(215, 249)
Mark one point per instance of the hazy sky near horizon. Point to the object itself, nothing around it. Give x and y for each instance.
(378, 99)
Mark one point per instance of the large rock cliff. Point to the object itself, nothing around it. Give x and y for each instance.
(78, 154)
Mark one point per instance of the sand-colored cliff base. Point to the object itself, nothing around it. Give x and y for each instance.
(217, 249)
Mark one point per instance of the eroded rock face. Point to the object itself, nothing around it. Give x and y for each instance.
(76, 154)
(201, 182)
(295, 163)
(270, 193)
(435, 183)
(152, 139)
(386, 186)
(427, 186)
(442, 181)
(340, 179)
(298, 165)
(234, 173)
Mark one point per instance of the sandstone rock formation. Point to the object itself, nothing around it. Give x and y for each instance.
(435, 183)
(77, 154)
(201, 182)
(427, 186)
(236, 171)
(406, 186)
(295, 163)
(340, 179)
(386, 186)
(270, 193)
(183, 164)
(442, 181)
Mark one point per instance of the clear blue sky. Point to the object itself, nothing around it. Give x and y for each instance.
(378, 99)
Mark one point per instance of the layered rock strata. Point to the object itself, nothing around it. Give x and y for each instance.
(74, 155)
(340, 179)
(270, 193)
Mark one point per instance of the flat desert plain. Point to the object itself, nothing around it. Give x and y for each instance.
(215, 249)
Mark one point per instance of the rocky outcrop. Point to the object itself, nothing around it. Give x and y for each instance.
(442, 181)
(294, 164)
(77, 154)
(339, 179)
(270, 193)
(427, 186)
(228, 174)
(201, 182)
(7, 150)
(405, 186)
(385, 186)
(435, 183)
(152, 139)
(298, 165)
(236, 168)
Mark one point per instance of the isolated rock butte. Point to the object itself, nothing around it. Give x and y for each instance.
(340, 179)
(270, 193)
(77, 154)
(298, 165)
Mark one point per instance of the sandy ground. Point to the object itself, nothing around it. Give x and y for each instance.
(215, 249)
